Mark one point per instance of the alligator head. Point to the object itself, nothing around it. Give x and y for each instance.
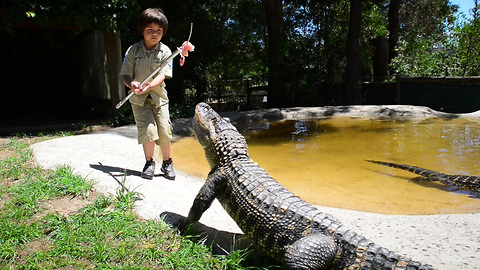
(219, 138)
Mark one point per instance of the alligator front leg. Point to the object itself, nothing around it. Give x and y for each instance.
(203, 200)
(316, 251)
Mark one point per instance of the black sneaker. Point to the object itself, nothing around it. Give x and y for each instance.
(167, 169)
(148, 170)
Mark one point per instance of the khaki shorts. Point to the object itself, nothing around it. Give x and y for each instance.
(153, 123)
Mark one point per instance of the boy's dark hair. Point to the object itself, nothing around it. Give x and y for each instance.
(152, 15)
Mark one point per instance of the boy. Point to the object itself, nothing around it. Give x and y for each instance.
(150, 103)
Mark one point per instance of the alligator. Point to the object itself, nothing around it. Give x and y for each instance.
(468, 182)
(280, 224)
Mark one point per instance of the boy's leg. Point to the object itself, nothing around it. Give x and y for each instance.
(165, 151)
(149, 150)
(167, 165)
(149, 168)
(165, 136)
(146, 136)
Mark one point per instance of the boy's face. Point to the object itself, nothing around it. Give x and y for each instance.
(152, 34)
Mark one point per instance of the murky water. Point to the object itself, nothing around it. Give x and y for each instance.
(322, 161)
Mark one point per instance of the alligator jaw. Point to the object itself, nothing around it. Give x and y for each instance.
(200, 132)
(207, 125)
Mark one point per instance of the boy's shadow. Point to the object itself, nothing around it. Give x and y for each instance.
(117, 171)
(114, 171)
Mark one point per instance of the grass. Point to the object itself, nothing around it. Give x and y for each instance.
(104, 233)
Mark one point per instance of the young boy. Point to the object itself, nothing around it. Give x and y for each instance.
(150, 102)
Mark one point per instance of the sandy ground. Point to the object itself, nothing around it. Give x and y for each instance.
(113, 158)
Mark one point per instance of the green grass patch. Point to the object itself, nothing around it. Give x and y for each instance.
(13, 165)
(104, 234)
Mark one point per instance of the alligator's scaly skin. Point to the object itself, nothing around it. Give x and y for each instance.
(279, 223)
(468, 182)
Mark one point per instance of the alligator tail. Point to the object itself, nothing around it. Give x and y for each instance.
(361, 253)
(429, 174)
(469, 182)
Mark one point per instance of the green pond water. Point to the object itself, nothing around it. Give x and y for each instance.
(323, 161)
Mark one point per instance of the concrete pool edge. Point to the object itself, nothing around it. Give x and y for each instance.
(445, 241)
(182, 127)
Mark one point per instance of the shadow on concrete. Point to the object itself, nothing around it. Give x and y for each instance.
(119, 174)
(220, 242)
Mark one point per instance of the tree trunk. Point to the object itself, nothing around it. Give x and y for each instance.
(380, 59)
(394, 28)
(277, 86)
(354, 57)
(114, 60)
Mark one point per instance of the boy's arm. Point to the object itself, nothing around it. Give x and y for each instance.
(127, 80)
(126, 71)
(157, 81)
(148, 85)
(130, 83)
(135, 85)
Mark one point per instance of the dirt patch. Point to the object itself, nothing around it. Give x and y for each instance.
(3, 200)
(31, 247)
(63, 206)
(4, 151)
(66, 206)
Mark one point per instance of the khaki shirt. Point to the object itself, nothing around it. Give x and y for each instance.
(138, 63)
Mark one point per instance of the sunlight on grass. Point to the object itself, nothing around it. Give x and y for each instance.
(106, 233)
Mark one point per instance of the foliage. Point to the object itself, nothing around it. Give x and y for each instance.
(124, 116)
(109, 15)
(375, 27)
(423, 41)
(231, 37)
(445, 47)
(229, 45)
(316, 33)
(465, 46)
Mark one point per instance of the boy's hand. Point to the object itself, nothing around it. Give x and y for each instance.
(135, 87)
